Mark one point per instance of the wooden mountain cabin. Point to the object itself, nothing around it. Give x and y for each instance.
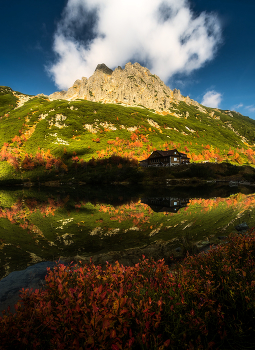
(165, 158)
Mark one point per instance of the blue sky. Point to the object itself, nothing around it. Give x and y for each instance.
(205, 48)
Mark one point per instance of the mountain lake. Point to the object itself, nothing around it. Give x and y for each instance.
(45, 224)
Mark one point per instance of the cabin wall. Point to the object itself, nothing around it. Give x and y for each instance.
(164, 160)
(156, 159)
(175, 160)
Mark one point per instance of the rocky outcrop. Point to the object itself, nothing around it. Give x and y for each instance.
(32, 277)
(157, 250)
(103, 68)
(130, 257)
(133, 86)
(21, 99)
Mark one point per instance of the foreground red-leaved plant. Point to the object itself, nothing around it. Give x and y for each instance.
(207, 302)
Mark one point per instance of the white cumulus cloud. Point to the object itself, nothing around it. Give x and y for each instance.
(212, 99)
(163, 35)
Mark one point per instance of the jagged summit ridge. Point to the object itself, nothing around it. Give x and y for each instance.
(103, 68)
(134, 85)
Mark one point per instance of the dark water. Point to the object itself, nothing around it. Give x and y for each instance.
(41, 225)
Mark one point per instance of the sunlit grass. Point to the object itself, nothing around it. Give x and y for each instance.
(37, 124)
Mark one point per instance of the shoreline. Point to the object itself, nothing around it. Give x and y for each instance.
(34, 275)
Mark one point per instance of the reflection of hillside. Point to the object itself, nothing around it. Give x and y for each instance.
(114, 195)
(40, 226)
(165, 204)
(208, 190)
(240, 201)
(19, 211)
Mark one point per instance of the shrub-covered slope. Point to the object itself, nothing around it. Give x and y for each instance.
(59, 135)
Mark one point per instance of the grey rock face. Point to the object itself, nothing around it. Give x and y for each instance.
(31, 277)
(132, 86)
(103, 68)
(242, 227)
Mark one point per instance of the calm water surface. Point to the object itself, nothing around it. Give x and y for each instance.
(40, 225)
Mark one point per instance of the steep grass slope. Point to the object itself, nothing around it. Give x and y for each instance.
(59, 135)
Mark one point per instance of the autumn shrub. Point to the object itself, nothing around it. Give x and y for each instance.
(113, 309)
(207, 302)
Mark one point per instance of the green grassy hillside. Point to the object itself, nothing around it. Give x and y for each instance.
(56, 137)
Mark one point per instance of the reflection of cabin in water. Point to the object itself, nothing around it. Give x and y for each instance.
(165, 158)
(165, 204)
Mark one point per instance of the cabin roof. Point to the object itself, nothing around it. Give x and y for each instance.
(170, 153)
(167, 153)
(183, 154)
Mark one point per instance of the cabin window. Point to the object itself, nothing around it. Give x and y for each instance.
(175, 159)
(175, 203)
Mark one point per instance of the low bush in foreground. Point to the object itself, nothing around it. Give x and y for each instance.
(206, 303)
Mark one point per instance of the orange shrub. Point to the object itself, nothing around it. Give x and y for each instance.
(208, 303)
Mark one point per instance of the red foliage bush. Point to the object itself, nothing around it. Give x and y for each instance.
(207, 303)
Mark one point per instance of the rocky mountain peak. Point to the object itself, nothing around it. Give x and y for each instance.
(132, 86)
(103, 68)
